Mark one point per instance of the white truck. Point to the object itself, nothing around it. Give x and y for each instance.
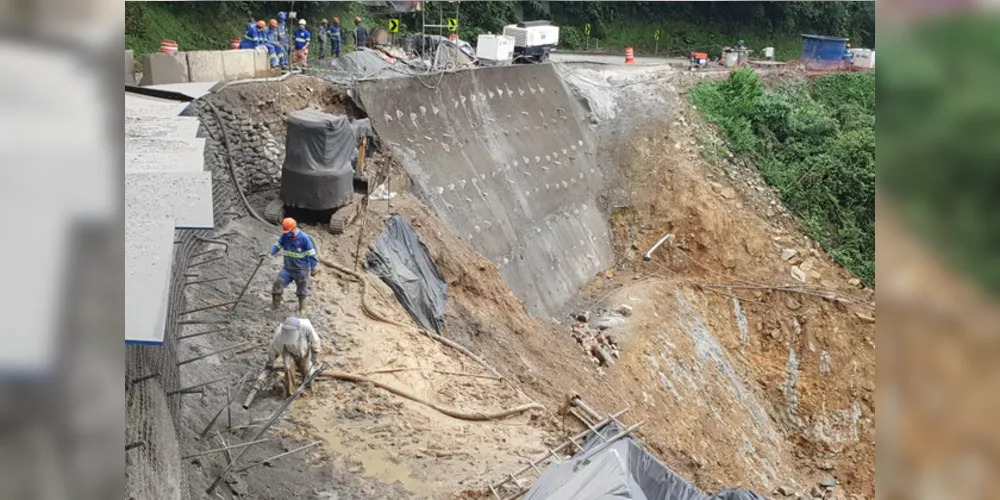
(533, 40)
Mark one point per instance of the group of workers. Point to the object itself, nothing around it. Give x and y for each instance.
(274, 36)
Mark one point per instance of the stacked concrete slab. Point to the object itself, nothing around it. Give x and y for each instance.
(500, 154)
(166, 189)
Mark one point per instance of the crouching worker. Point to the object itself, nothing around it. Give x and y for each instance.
(297, 344)
(300, 263)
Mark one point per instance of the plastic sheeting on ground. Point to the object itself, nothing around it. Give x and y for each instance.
(401, 260)
(317, 173)
(622, 470)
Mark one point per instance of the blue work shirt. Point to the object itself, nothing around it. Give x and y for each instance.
(253, 36)
(302, 37)
(298, 250)
(282, 32)
(270, 36)
(335, 32)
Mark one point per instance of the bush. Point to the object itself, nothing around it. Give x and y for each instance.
(817, 148)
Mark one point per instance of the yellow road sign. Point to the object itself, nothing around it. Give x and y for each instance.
(452, 24)
(586, 29)
(656, 35)
(394, 26)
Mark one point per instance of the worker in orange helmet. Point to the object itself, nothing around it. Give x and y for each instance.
(323, 35)
(335, 36)
(300, 263)
(360, 34)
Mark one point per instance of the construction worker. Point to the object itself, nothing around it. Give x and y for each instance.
(295, 341)
(251, 22)
(302, 40)
(360, 34)
(324, 38)
(253, 36)
(274, 50)
(300, 263)
(335, 36)
(282, 33)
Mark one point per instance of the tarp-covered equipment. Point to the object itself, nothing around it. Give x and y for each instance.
(401, 260)
(317, 173)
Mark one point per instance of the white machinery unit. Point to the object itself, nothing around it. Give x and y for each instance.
(495, 49)
(863, 58)
(533, 40)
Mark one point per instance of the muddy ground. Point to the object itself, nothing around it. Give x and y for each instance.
(741, 380)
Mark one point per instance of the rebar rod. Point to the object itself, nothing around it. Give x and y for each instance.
(206, 261)
(205, 308)
(213, 353)
(203, 384)
(270, 421)
(282, 455)
(217, 242)
(209, 280)
(203, 322)
(145, 377)
(219, 450)
(199, 334)
(219, 413)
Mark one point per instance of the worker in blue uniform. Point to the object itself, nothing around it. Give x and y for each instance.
(335, 36)
(300, 263)
(253, 37)
(282, 33)
(275, 51)
(302, 40)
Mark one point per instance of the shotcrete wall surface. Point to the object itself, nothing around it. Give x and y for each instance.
(503, 158)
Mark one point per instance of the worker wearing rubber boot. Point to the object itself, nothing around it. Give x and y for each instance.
(297, 344)
(301, 263)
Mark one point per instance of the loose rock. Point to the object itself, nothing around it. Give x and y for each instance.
(788, 253)
(798, 274)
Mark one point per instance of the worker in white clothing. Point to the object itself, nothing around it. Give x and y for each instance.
(296, 342)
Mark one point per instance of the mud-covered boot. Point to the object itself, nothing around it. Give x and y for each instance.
(302, 305)
(276, 296)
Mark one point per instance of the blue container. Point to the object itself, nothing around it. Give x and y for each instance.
(823, 52)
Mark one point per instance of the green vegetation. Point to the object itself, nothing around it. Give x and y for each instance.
(684, 26)
(814, 142)
(940, 144)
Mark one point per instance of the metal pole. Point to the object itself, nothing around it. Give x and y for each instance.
(271, 459)
(247, 285)
(205, 308)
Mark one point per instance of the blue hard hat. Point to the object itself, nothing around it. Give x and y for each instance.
(281, 15)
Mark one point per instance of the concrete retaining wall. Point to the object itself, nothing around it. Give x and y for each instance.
(205, 66)
(500, 154)
(239, 64)
(160, 69)
(129, 67)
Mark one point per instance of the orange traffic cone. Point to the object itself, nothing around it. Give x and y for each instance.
(168, 47)
(629, 55)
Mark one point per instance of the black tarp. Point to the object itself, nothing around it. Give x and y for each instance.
(401, 260)
(317, 173)
(622, 470)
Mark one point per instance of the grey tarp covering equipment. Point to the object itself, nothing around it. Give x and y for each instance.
(401, 260)
(623, 470)
(317, 173)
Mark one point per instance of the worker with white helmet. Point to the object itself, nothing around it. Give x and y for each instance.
(302, 39)
(295, 341)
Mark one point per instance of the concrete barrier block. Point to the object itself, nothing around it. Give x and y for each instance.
(159, 69)
(205, 66)
(261, 63)
(238, 64)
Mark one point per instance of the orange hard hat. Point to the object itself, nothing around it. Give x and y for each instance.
(274, 22)
(261, 23)
(336, 19)
(287, 224)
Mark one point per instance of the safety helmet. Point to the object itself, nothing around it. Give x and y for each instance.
(261, 23)
(302, 22)
(274, 23)
(281, 15)
(324, 21)
(287, 224)
(336, 20)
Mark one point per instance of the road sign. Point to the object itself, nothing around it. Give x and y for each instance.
(656, 35)
(453, 24)
(586, 29)
(394, 26)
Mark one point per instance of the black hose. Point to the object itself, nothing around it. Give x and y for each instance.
(229, 163)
